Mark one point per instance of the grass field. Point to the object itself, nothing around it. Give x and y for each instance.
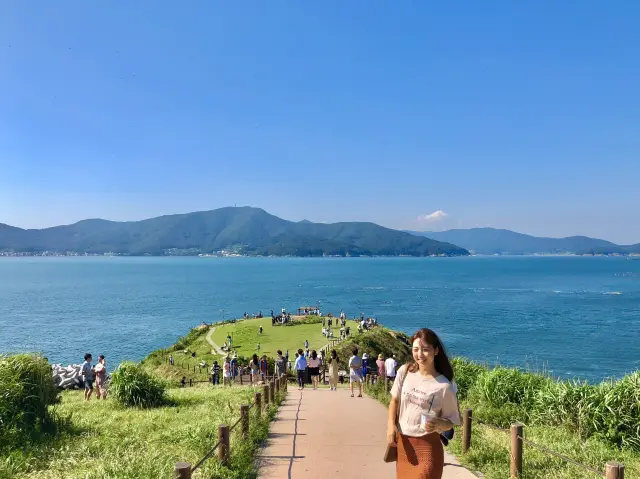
(107, 441)
(245, 336)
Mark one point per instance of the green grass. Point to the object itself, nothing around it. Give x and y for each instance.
(110, 441)
(246, 336)
(489, 454)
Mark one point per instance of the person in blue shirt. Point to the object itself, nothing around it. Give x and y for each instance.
(301, 366)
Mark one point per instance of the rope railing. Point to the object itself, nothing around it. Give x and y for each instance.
(613, 470)
(269, 395)
(561, 456)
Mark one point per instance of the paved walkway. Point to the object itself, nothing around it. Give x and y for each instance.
(215, 349)
(327, 434)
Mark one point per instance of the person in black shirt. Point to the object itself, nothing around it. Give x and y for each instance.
(215, 373)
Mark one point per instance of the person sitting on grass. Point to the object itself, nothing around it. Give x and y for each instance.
(87, 372)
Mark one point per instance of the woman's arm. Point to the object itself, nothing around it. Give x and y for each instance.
(391, 421)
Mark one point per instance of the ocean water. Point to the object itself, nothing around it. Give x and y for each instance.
(571, 316)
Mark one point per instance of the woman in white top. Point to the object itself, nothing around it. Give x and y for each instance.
(425, 404)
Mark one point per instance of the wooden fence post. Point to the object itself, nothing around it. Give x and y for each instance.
(466, 430)
(182, 471)
(272, 393)
(265, 396)
(258, 406)
(240, 378)
(614, 470)
(277, 382)
(517, 431)
(223, 448)
(190, 382)
(244, 414)
(284, 382)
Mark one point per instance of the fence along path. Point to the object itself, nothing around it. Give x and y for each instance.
(270, 394)
(612, 469)
(327, 434)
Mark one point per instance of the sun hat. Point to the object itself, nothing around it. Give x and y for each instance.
(365, 356)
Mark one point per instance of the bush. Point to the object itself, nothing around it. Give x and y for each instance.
(500, 386)
(132, 386)
(26, 392)
(465, 374)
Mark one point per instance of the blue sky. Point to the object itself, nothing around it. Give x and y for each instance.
(523, 115)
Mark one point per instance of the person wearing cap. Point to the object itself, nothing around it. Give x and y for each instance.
(365, 366)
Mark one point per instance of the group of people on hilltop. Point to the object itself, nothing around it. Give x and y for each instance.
(94, 375)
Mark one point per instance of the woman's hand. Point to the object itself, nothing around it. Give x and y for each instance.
(431, 425)
(391, 436)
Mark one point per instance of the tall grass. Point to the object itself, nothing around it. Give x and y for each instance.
(132, 386)
(26, 392)
(609, 411)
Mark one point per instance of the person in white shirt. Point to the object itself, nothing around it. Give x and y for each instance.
(390, 366)
(355, 372)
(423, 406)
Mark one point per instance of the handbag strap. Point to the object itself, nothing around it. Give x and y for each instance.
(400, 398)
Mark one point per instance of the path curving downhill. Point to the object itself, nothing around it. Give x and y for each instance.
(326, 434)
(215, 349)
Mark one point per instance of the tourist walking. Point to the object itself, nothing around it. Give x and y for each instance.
(423, 405)
(226, 372)
(390, 366)
(101, 377)
(333, 370)
(234, 366)
(215, 373)
(87, 373)
(171, 359)
(365, 366)
(281, 365)
(382, 374)
(314, 368)
(254, 369)
(264, 367)
(355, 372)
(301, 366)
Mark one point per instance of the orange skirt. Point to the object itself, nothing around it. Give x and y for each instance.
(420, 457)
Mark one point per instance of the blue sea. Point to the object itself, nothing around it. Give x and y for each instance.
(571, 316)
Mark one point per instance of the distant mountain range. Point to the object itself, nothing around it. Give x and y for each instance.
(245, 230)
(500, 241)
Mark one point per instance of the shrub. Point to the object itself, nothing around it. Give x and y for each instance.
(26, 392)
(619, 414)
(132, 386)
(465, 374)
(500, 386)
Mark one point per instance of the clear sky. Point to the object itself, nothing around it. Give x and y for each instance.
(522, 115)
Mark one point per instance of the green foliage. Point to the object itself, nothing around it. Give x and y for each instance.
(503, 386)
(304, 320)
(132, 443)
(185, 341)
(132, 386)
(26, 392)
(466, 374)
(373, 342)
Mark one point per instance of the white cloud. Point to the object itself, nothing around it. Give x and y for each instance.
(433, 217)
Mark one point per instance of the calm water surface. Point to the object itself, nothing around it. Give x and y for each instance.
(578, 317)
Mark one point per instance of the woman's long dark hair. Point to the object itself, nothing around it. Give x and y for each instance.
(441, 361)
(255, 359)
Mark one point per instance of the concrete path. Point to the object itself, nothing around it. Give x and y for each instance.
(215, 349)
(327, 434)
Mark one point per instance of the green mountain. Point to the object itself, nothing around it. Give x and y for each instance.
(246, 230)
(500, 241)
